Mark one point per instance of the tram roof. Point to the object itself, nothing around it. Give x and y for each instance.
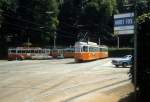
(69, 49)
(86, 43)
(89, 44)
(102, 46)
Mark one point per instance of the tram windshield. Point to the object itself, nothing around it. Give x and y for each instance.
(85, 49)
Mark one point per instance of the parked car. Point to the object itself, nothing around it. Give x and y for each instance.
(124, 61)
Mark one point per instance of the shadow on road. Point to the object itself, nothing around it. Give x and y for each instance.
(71, 63)
(121, 67)
(129, 98)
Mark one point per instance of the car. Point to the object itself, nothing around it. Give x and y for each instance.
(123, 61)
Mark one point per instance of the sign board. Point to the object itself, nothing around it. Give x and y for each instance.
(124, 23)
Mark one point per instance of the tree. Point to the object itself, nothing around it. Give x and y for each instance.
(92, 16)
(40, 14)
(6, 6)
(125, 6)
(70, 12)
(98, 17)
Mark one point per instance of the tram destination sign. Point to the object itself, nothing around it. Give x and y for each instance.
(124, 23)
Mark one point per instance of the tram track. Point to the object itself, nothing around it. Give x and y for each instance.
(44, 81)
(94, 90)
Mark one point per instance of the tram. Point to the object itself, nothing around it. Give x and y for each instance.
(65, 53)
(87, 51)
(56, 52)
(21, 53)
(68, 53)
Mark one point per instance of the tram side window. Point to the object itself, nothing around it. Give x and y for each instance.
(12, 51)
(96, 49)
(104, 49)
(28, 51)
(47, 51)
(42, 51)
(91, 49)
(99, 49)
(36, 51)
(19, 51)
(85, 48)
(77, 49)
(23, 51)
(70, 50)
(32, 51)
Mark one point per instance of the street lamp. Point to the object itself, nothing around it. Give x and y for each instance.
(1, 11)
(49, 12)
(42, 27)
(118, 40)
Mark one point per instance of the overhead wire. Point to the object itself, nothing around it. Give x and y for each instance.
(18, 26)
(62, 32)
(33, 23)
(30, 22)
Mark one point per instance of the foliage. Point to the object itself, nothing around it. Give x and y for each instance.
(143, 18)
(93, 16)
(125, 6)
(119, 52)
(30, 19)
(43, 14)
(5, 6)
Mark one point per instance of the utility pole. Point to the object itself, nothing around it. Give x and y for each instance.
(118, 41)
(1, 11)
(54, 40)
(28, 42)
(135, 49)
(88, 39)
(99, 40)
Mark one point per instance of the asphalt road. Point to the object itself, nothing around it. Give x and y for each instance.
(57, 80)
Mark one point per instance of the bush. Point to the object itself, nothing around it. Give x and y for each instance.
(119, 52)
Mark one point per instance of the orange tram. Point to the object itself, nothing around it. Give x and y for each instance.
(87, 51)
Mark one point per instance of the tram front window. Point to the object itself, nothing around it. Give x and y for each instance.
(85, 49)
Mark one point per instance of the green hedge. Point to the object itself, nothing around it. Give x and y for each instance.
(119, 52)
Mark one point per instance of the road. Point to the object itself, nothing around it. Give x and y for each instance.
(58, 80)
